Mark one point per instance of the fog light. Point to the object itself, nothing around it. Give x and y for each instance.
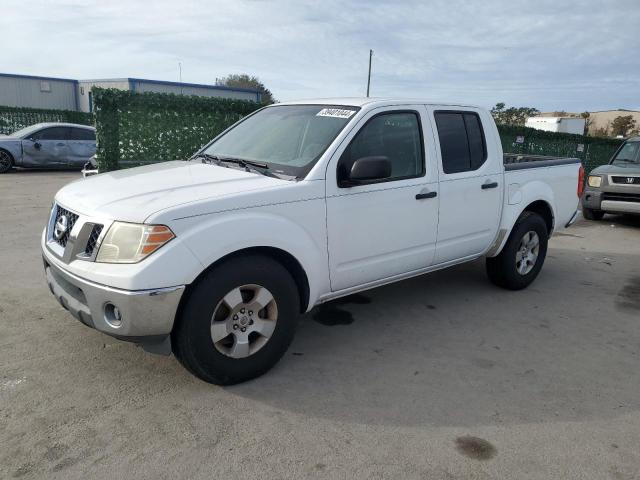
(112, 315)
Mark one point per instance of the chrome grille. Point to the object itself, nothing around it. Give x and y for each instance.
(93, 239)
(71, 220)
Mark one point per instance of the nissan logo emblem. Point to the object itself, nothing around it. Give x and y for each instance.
(61, 227)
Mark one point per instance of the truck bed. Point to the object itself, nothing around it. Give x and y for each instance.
(518, 161)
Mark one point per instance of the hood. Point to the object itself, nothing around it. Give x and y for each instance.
(615, 169)
(132, 195)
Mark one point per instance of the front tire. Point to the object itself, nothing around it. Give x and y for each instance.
(6, 161)
(591, 214)
(522, 256)
(238, 320)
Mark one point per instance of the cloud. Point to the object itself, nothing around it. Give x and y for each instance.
(549, 54)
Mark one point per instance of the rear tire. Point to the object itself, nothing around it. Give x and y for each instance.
(253, 298)
(522, 256)
(591, 214)
(6, 161)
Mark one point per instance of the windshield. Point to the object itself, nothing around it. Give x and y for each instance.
(628, 155)
(24, 132)
(289, 139)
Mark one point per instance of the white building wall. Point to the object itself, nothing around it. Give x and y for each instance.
(141, 86)
(84, 89)
(37, 92)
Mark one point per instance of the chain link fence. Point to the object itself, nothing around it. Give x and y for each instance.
(592, 151)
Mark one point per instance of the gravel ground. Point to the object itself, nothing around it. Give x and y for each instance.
(440, 377)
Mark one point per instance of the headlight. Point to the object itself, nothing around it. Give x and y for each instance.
(594, 181)
(130, 242)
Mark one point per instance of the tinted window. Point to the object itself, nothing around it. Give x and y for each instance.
(393, 135)
(82, 134)
(53, 133)
(461, 141)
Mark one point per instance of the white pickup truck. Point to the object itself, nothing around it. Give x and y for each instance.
(300, 203)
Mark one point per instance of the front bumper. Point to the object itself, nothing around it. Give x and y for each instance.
(145, 316)
(613, 200)
(592, 199)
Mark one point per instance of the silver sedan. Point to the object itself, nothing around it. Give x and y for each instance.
(48, 145)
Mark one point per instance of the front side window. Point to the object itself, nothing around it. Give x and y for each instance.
(628, 155)
(395, 135)
(288, 138)
(462, 142)
(53, 133)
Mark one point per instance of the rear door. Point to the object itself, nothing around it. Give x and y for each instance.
(46, 148)
(384, 228)
(471, 183)
(82, 146)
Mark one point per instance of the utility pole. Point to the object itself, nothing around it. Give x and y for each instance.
(369, 77)
(180, 76)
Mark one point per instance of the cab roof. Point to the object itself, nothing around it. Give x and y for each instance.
(372, 102)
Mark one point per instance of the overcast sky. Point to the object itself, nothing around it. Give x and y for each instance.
(553, 55)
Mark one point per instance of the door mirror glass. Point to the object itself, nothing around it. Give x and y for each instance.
(367, 169)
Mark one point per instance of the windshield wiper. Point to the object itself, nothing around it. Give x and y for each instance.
(248, 165)
(207, 158)
(244, 163)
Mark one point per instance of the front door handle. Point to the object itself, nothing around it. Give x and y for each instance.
(60, 144)
(420, 196)
(489, 185)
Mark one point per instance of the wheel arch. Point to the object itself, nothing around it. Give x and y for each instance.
(542, 208)
(288, 261)
(11, 156)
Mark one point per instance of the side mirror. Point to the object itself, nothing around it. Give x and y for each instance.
(368, 169)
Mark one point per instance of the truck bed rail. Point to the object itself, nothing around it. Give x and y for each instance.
(517, 161)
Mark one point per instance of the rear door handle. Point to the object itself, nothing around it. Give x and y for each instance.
(489, 185)
(420, 196)
(60, 144)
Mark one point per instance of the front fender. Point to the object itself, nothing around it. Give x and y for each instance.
(304, 238)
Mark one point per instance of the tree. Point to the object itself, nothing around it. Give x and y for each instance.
(243, 80)
(512, 115)
(622, 125)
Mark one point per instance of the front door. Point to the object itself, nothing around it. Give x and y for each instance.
(46, 148)
(385, 228)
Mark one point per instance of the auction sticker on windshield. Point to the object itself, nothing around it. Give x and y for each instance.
(335, 112)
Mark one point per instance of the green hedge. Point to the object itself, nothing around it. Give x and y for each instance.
(135, 129)
(593, 151)
(15, 118)
(140, 128)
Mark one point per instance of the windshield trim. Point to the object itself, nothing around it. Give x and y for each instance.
(302, 172)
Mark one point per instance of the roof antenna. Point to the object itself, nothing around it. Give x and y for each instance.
(369, 77)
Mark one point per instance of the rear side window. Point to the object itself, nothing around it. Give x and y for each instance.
(462, 142)
(82, 134)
